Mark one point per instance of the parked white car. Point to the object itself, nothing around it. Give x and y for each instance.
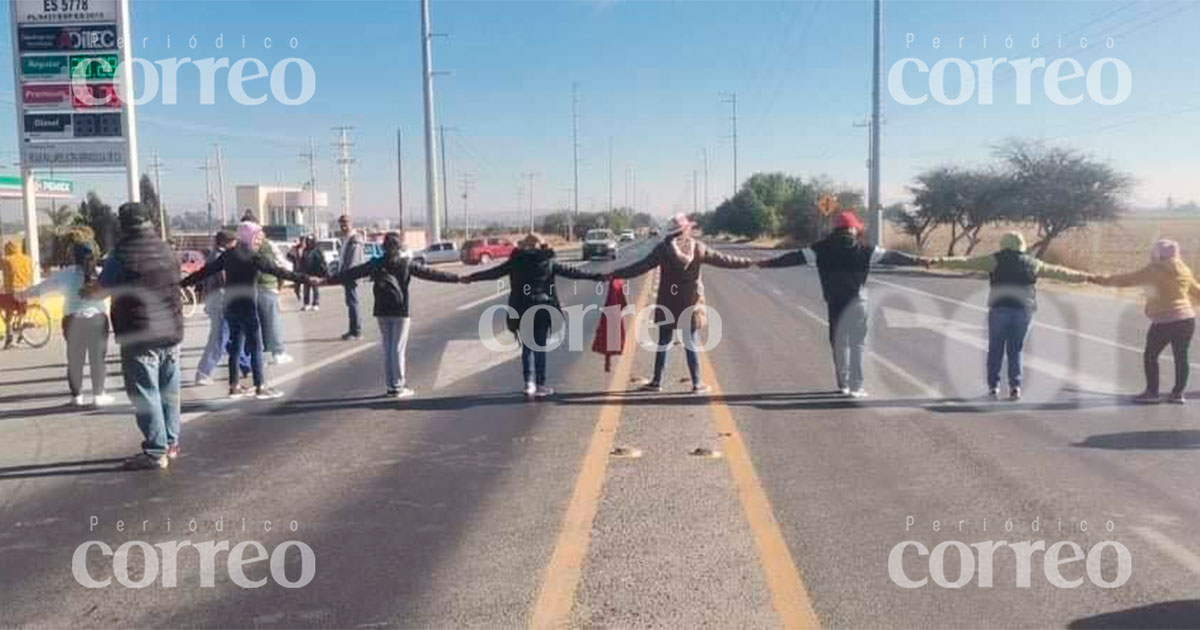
(443, 252)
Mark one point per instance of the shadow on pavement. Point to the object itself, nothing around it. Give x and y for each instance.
(1146, 440)
(61, 469)
(1166, 615)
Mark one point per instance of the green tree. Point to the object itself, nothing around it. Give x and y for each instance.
(1060, 189)
(152, 202)
(98, 216)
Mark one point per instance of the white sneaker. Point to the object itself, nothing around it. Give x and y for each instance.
(404, 392)
(201, 381)
(103, 400)
(530, 390)
(844, 391)
(77, 401)
(282, 358)
(304, 308)
(542, 391)
(858, 393)
(316, 307)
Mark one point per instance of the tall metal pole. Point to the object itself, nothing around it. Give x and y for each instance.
(400, 175)
(312, 183)
(127, 108)
(445, 179)
(875, 209)
(706, 179)
(732, 100)
(433, 215)
(221, 184)
(574, 161)
(342, 144)
(156, 164)
(695, 192)
(610, 196)
(208, 197)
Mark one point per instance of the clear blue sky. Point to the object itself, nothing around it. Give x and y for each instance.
(650, 74)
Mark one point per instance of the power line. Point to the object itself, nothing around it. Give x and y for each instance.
(731, 99)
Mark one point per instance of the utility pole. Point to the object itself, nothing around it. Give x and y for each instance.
(311, 156)
(208, 195)
(400, 175)
(466, 194)
(876, 209)
(433, 229)
(695, 192)
(574, 161)
(157, 164)
(610, 196)
(221, 183)
(731, 98)
(705, 149)
(445, 175)
(342, 143)
(530, 177)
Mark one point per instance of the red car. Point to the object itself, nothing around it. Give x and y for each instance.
(484, 251)
(190, 261)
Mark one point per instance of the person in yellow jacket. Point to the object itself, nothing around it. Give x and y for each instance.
(1013, 275)
(18, 276)
(1171, 288)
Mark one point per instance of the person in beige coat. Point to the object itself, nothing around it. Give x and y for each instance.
(679, 259)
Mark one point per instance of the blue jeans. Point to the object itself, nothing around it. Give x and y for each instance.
(666, 335)
(1007, 329)
(152, 384)
(393, 333)
(268, 317)
(218, 335)
(352, 307)
(242, 315)
(848, 328)
(533, 362)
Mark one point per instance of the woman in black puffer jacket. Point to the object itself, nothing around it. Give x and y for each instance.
(390, 276)
(531, 271)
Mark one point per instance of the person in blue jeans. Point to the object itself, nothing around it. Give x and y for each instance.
(141, 276)
(242, 266)
(1013, 275)
(352, 254)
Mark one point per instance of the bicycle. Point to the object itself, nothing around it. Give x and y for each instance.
(191, 301)
(28, 323)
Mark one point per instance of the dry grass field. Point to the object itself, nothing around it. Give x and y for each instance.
(1123, 245)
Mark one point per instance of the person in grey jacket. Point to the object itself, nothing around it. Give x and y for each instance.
(350, 255)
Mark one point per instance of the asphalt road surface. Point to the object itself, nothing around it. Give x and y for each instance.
(770, 503)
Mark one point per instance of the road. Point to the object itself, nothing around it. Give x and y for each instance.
(770, 503)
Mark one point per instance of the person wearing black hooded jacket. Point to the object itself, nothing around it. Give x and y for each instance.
(531, 271)
(390, 275)
(843, 264)
(243, 266)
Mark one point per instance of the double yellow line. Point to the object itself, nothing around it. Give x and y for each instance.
(553, 607)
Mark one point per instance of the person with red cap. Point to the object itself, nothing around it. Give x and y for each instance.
(843, 263)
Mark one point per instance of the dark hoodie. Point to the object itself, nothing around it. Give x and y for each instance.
(243, 269)
(843, 264)
(391, 278)
(531, 274)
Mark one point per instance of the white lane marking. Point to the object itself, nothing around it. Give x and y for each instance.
(975, 307)
(286, 378)
(464, 358)
(1172, 549)
(926, 390)
(961, 333)
(483, 300)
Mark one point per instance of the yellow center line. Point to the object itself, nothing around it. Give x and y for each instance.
(788, 593)
(557, 595)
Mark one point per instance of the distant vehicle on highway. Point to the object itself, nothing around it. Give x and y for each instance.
(482, 251)
(599, 243)
(370, 251)
(653, 231)
(627, 236)
(442, 252)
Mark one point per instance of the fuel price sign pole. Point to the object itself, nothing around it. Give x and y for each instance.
(72, 65)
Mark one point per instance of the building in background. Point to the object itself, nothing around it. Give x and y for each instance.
(282, 206)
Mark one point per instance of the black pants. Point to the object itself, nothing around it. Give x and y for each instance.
(87, 339)
(1179, 336)
(242, 315)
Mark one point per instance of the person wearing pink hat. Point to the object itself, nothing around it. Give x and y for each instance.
(1171, 289)
(843, 263)
(679, 258)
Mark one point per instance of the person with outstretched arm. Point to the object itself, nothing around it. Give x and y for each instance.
(1172, 290)
(679, 259)
(844, 262)
(243, 265)
(1013, 274)
(532, 270)
(390, 276)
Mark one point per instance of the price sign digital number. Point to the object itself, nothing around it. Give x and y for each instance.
(106, 125)
(93, 66)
